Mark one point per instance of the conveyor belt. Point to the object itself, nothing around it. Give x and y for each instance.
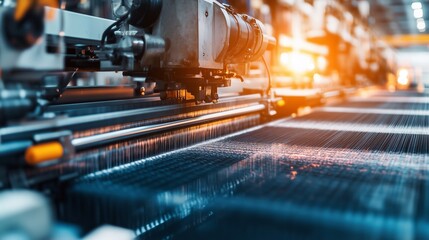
(325, 175)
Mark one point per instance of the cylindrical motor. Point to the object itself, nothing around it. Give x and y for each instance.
(144, 12)
(153, 48)
(204, 34)
(15, 103)
(247, 39)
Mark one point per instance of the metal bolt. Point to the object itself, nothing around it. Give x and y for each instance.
(142, 91)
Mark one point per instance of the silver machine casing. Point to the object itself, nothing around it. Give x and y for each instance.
(200, 38)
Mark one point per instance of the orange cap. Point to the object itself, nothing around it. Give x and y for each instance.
(43, 152)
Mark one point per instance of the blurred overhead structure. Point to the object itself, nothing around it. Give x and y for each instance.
(407, 40)
(398, 17)
(403, 22)
(403, 25)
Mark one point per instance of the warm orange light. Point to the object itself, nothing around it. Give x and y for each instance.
(284, 59)
(297, 62)
(281, 103)
(317, 78)
(322, 63)
(391, 82)
(403, 77)
(285, 41)
(403, 72)
(403, 81)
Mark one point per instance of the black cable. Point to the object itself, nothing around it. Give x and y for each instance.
(269, 76)
(111, 28)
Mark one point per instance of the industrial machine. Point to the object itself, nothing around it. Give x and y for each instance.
(146, 41)
(168, 119)
(174, 56)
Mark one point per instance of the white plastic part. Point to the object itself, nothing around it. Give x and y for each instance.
(108, 232)
(26, 214)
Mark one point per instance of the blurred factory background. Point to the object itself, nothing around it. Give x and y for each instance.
(203, 119)
(403, 26)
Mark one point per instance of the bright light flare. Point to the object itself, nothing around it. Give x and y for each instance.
(317, 78)
(403, 81)
(418, 13)
(416, 5)
(285, 41)
(297, 62)
(403, 77)
(322, 63)
(403, 72)
(421, 24)
(284, 59)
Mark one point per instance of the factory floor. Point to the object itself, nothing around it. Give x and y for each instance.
(355, 170)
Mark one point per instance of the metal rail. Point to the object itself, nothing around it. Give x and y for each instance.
(91, 141)
(25, 130)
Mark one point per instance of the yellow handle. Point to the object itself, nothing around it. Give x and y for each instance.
(43, 152)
